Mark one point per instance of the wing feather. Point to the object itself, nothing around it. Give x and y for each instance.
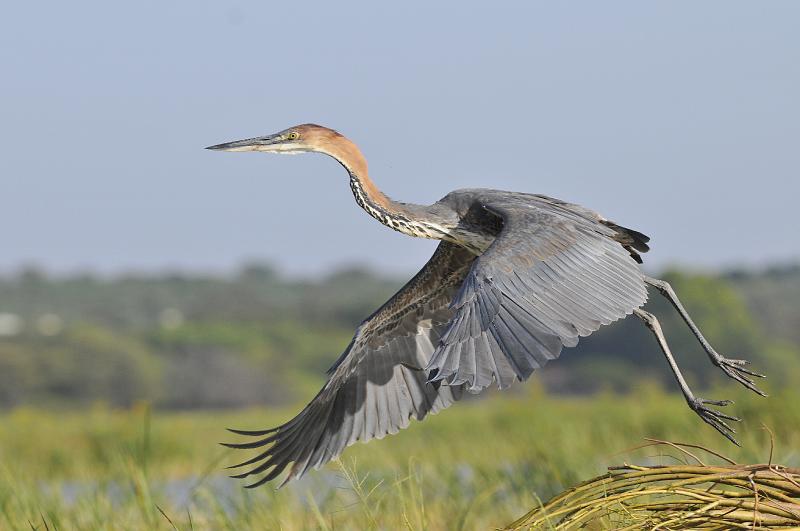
(377, 385)
(554, 273)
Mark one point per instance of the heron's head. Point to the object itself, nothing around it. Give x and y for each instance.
(299, 139)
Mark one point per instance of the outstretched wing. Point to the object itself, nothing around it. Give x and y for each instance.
(555, 272)
(378, 384)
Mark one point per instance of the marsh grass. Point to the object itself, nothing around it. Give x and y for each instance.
(480, 465)
(681, 496)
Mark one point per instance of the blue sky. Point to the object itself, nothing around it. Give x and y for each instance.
(680, 119)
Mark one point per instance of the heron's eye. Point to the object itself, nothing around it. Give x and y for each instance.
(294, 135)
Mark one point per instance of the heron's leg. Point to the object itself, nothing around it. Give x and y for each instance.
(699, 405)
(733, 368)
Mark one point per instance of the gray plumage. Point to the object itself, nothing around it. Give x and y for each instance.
(553, 273)
(516, 278)
(378, 384)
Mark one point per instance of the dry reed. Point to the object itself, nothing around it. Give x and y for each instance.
(669, 497)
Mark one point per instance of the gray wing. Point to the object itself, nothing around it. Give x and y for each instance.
(555, 272)
(378, 384)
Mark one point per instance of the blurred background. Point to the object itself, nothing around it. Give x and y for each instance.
(139, 271)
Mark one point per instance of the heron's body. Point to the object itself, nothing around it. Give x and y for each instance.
(516, 278)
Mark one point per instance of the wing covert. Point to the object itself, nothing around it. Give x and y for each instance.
(552, 275)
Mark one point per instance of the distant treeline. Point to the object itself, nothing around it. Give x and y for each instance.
(256, 337)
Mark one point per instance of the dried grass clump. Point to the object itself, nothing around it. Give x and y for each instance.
(684, 496)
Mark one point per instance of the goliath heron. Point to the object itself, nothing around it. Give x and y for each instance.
(515, 278)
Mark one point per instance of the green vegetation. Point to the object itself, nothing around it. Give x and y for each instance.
(481, 464)
(255, 338)
(772, 295)
(93, 373)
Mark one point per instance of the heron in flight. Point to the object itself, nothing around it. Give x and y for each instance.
(516, 278)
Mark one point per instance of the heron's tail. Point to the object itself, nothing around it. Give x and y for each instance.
(632, 240)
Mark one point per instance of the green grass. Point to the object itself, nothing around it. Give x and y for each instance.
(479, 465)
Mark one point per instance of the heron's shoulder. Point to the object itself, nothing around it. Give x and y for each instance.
(464, 196)
(467, 196)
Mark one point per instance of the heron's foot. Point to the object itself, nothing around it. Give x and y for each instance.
(714, 417)
(736, 370)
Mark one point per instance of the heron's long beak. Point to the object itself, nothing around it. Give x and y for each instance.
(259, 143)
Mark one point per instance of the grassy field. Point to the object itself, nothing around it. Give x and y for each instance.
(479, 465)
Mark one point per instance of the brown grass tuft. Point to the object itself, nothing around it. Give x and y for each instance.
(671, 497)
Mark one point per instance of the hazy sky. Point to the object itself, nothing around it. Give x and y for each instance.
(679, 119)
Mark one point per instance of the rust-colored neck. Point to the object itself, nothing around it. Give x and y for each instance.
(415, 220)
(366, 193)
